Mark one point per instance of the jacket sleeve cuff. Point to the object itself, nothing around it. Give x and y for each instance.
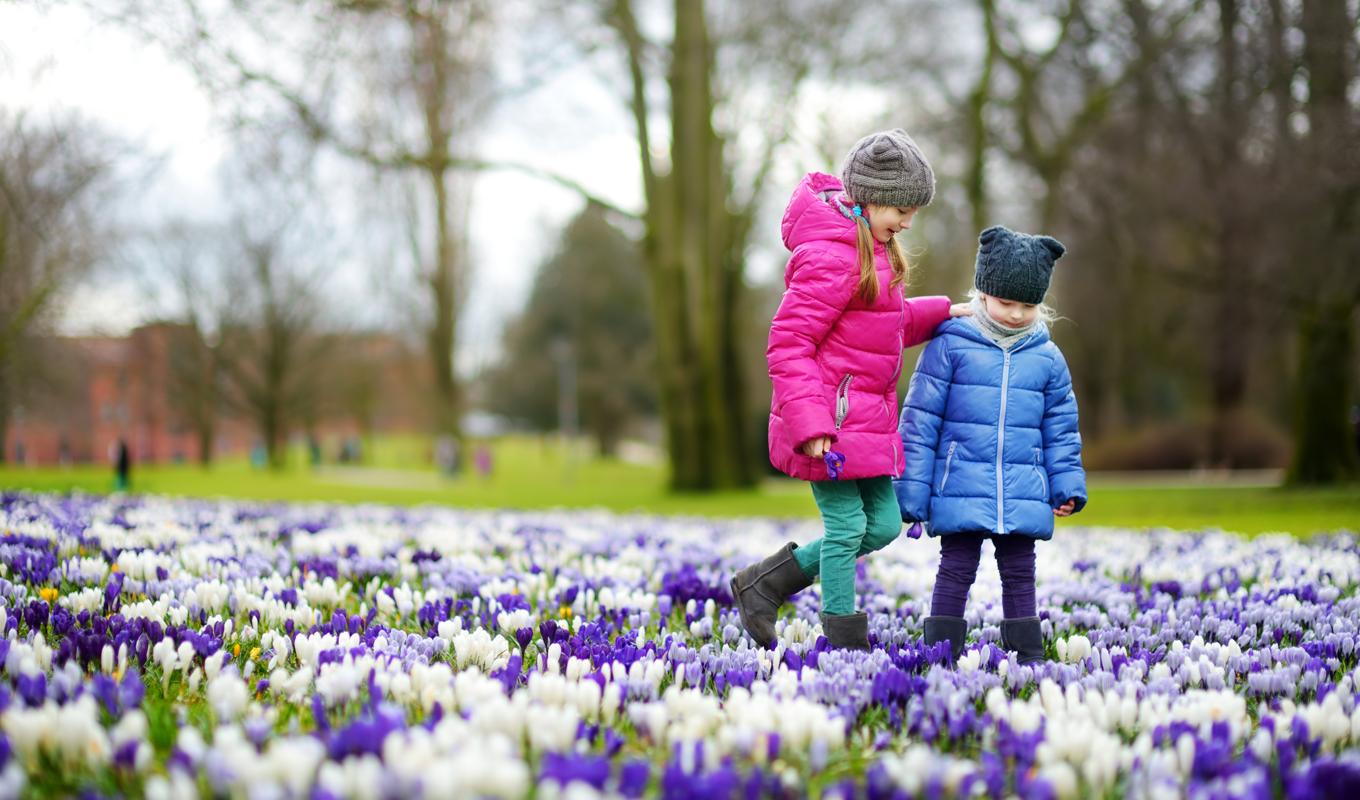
(913, 500)
(807, 419)
(1069, 486)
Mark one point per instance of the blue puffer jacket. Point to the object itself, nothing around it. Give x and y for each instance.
(962, 476)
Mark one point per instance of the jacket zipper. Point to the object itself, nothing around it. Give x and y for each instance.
(843, 401)
(1038, 467)
(897, 375)
(948, 462)
(901, 344)
(1001, 442)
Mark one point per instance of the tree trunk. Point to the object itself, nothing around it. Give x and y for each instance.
(1231, 336)
(431, 34)
(978, 99)
(443, 329)
(1324, 444)
(1230, 355)
(205, 445)
(693, 246)
(696, 263)
(271, 427)
(5, 410)
(705, 224)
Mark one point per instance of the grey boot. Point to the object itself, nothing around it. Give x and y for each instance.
(947, 629)
(760, 589)
(1024, 637)
(847, 631)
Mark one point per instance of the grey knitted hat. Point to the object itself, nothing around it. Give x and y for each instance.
(1015, 266)
(887, 169)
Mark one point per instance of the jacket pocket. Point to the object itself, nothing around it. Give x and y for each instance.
(843, 400)
(1039, 468)
(948, 462)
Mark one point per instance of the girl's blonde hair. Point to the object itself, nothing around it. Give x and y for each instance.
(868, 276)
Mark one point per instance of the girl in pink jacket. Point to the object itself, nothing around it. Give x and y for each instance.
(835, 354)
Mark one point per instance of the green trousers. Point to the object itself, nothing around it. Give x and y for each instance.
(859, 516)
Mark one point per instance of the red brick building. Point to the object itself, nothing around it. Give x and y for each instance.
(122, 387)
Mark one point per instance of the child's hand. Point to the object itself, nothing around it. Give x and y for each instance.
(1066, 509)
(816, 448)
(961, 310)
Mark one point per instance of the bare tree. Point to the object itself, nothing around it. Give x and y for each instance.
(272, 345)
(1056, 96)
(52, 176)
(391, 85)
(702, 184)
(178, 264)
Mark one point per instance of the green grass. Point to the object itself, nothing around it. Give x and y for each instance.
(1242, 509)
(534, 474)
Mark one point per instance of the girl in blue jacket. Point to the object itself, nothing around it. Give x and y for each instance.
(989, 427)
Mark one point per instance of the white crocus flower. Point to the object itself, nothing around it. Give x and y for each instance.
(228, 695)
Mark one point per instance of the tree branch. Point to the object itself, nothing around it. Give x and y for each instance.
(623, 21)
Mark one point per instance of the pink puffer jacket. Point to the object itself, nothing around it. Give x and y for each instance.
(834, 360)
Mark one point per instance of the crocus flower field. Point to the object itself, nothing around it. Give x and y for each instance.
(190, 648)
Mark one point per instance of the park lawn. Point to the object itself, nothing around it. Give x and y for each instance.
(1242, 509)
(533, 473)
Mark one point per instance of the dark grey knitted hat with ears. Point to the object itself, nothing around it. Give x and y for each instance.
(1015, 266)
(888, 169)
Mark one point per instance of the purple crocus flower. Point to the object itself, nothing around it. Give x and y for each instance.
(634, 777)
(566, 769)
(1326, 778)
(835, 464)
(323, 724)
(32, 688)
(105, 690)
(125, 757)
(365, 734)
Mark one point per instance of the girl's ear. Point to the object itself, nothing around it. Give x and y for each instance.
(1054, 246)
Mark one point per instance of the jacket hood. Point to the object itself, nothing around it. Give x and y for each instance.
(961, 326)
(809, 218)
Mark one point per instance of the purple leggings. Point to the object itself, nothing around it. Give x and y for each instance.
(959, 556)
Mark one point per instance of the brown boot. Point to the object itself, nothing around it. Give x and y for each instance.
(847, 631)
(1024, 637)
(947, 629)
(760, 589)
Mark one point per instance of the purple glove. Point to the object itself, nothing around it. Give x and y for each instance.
(914, 531)
(835, 462)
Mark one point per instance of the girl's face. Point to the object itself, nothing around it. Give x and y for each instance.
(1010, 313)
(885, 222)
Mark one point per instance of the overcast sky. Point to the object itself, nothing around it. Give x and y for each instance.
(58, 58)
